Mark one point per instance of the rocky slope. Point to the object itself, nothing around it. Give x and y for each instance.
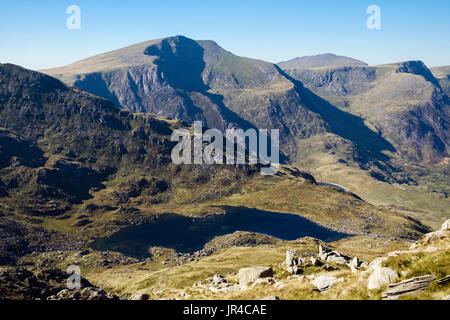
(442, 74)
(74, 161)
(405, 103)
(375, 130)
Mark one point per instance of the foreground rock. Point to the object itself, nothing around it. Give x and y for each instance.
(216, 284)
(332, 256)
(292, 261)
(323, 283)
(380, 277)
(46, 284)
(408, 287)
(250, 275)
(89, 293)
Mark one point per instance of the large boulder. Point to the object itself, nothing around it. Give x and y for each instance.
(333, 256)
(324, 283)
(381, 276)
(323, 252)
(407, 287)
(293, 261)
(291, 258)
(249, 275)
(446, 225)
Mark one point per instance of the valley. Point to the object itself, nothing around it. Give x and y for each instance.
(87, 179)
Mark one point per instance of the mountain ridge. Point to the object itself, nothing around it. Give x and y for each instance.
(320, 61)
(376, 121)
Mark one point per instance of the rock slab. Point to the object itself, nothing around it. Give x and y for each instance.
(407, 287)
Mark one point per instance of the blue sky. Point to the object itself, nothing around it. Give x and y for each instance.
(34, 33)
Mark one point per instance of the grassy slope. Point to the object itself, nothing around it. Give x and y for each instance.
(169, 281)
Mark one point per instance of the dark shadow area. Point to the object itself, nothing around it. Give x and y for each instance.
(23, 151)
(187, 234)
(95, 84)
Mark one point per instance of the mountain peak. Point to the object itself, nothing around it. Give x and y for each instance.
(321, 61)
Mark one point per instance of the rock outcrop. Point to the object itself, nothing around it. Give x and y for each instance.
(408, 287)
(333, 256)
(323, 283)
(89, 293)
(250, 275)
(428, 238)
(380, 277)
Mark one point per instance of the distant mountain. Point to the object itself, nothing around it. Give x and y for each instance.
(442, 74)
(327, 60)
(404, 102)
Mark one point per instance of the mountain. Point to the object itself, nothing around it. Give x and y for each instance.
(327, 60)
(382, 127)
(75, 168)
(404, 102)
(185, 79)
(73, 162)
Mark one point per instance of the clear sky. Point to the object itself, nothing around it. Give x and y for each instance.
(34, 33)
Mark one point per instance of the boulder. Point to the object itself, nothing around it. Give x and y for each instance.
(338, 259)
(263, 281)
(292, 261)
(381, 276)
(446, 225)
(443, 280)
(291, 258)
(332, 256)
(324, 283)
(217, 279)
(293, 270)
(407, 287)
(249, 275)
(323, 252)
